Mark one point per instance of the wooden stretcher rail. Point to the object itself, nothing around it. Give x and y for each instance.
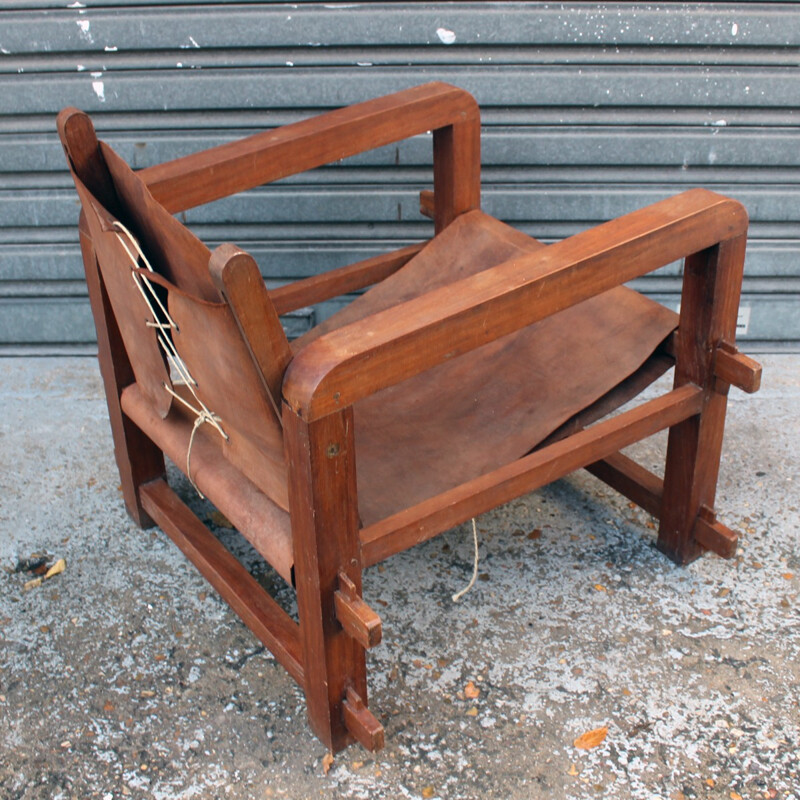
(426, 519)
(646, 490)
(268, 621)
(340, 281)
(631, 480)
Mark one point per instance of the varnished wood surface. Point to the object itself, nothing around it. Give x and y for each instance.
(239, 282)
(265, 157)
(322, 497)
(736, 368)
(268, 621)
(713, 535)
(464, 377)
(631, 480)
(420, 522)
(389, 346)
(472, 414)
(337, 282)
(712, 284)
(251, 512)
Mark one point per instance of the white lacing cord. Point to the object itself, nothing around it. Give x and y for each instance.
(458, 595)
(163, 322)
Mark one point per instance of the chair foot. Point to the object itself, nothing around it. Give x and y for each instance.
(708, 533)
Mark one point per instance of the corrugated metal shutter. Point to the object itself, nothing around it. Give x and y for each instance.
(589, 111)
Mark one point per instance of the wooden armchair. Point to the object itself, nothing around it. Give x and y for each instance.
(479, 366)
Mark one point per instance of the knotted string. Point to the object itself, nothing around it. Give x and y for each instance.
(163, 322)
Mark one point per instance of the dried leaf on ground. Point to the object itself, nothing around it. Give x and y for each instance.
(428, 792)
(56, 569)
(327, 762)
(32, 584)
(591, 739)
(471, 691)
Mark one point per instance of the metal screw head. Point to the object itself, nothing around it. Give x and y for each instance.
(332, 450)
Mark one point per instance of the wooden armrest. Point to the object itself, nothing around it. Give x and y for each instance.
(386, 348)
(234, 167)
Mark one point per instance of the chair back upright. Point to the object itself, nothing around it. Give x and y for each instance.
(205, 337)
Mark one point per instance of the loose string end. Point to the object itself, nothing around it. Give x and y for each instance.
(458, 595)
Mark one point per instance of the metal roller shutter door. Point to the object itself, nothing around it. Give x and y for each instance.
(589, 111)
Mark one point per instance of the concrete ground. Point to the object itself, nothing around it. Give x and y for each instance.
(126, 676)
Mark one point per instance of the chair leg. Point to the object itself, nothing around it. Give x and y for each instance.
(325, 525)
(138, 459)
(709, 305)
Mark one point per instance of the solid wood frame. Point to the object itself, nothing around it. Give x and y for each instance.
(325, 653)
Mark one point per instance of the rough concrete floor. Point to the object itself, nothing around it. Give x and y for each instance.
(125, 676)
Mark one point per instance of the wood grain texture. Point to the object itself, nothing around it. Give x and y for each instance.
(709, 303)
(361, 723)
(355, 616)
(631, 480)
(713, 535)
(737, 369)
(421, 522)
(231, 168)
(268, 621)
(337, 282)
(261, 521)
(466, 376)
(323, 505)
(390, 346)
(239, 282)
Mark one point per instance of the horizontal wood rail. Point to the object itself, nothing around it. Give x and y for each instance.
(386, 348)
(340, 281)
(631, 480)
(265, 618)
(426, 519)
(234, 167)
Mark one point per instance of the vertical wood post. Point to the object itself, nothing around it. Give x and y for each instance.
(138, 459)
(709, 306)
(325, 525)
(456, 170)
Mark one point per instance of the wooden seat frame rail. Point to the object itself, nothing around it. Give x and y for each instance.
(325, 652)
